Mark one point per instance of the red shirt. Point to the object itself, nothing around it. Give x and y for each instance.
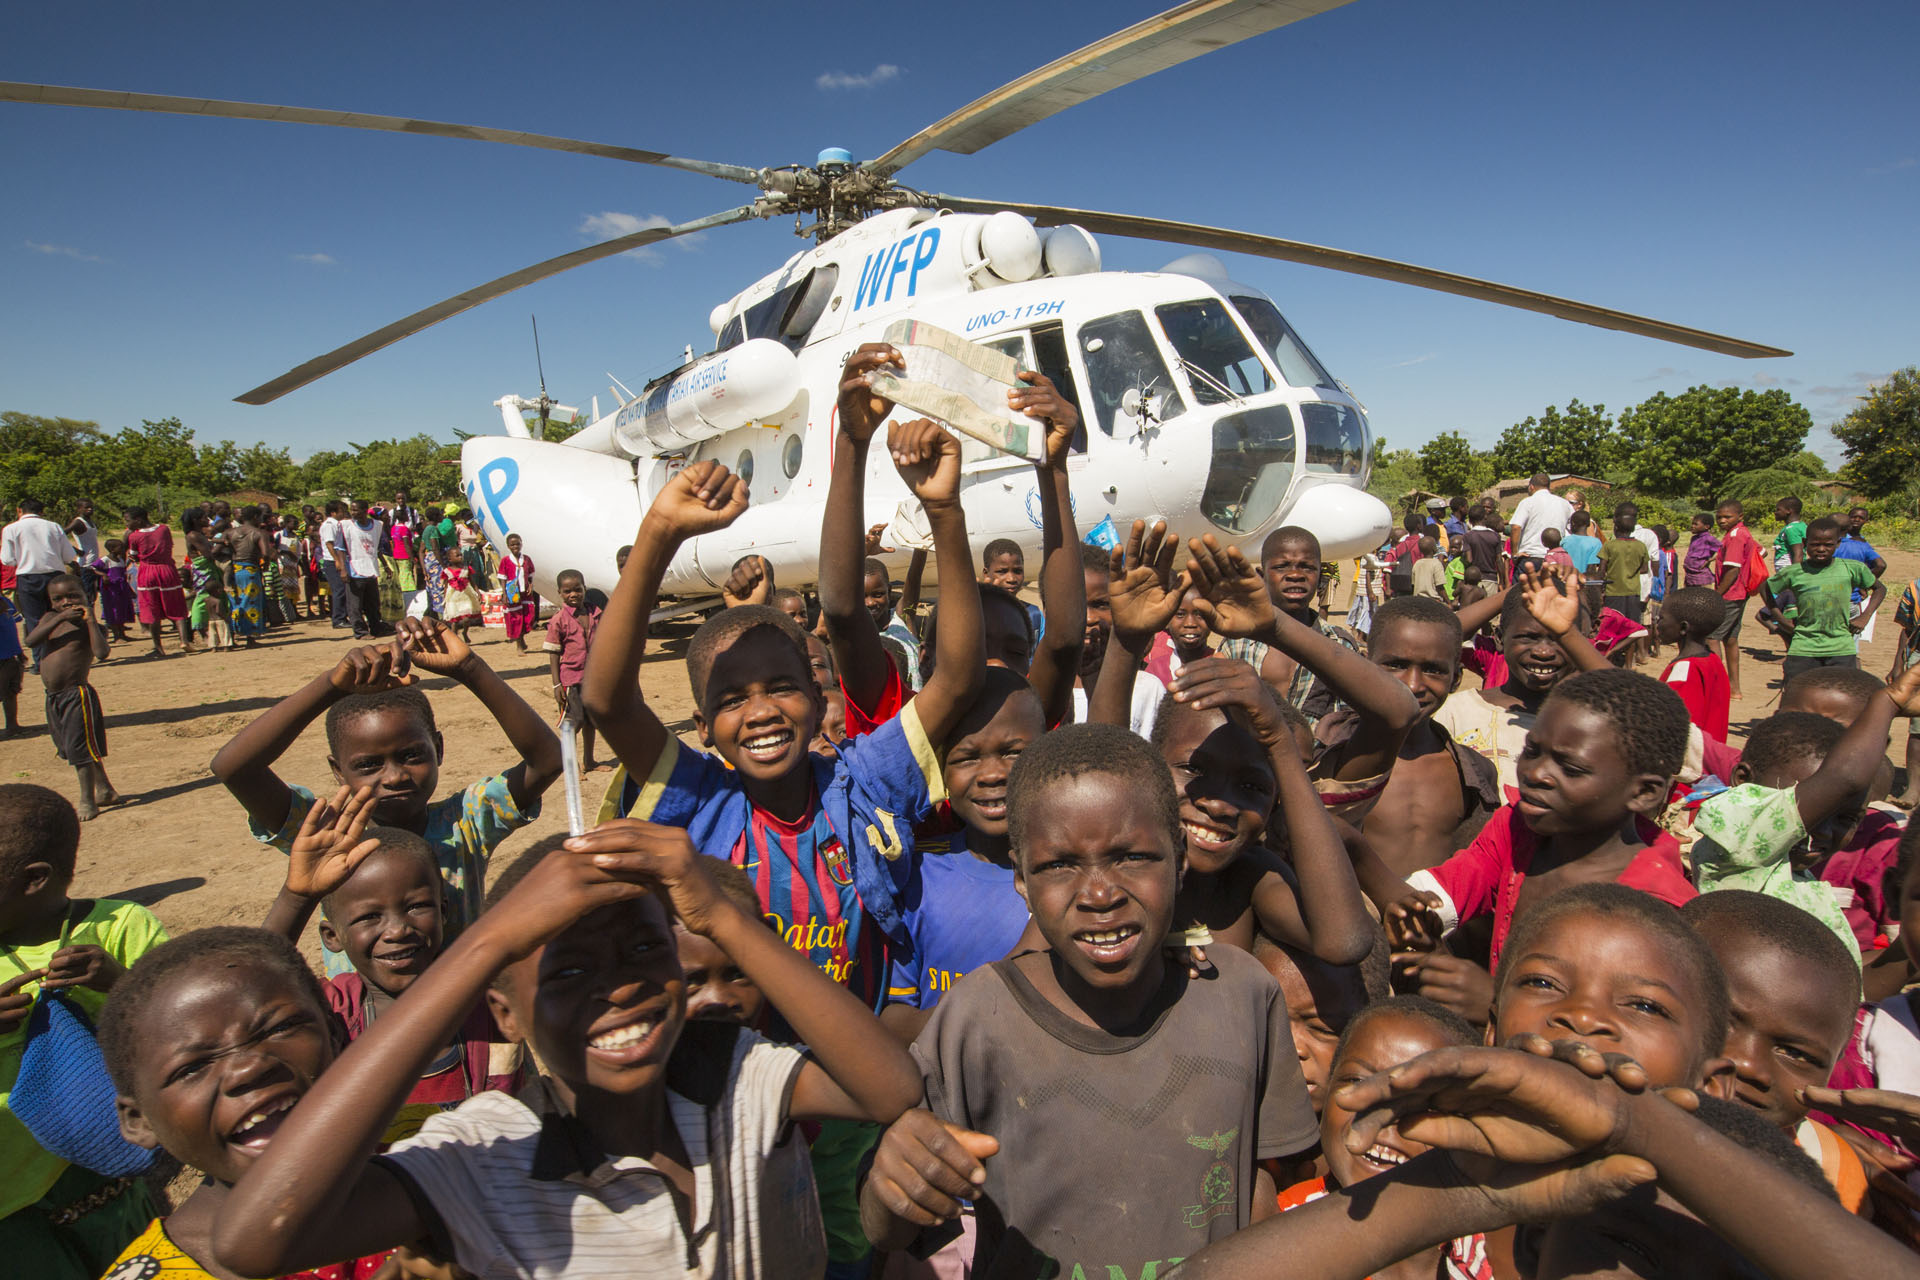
(1737, 549)
(1702, 684)
(893, 696)
(1487, 874)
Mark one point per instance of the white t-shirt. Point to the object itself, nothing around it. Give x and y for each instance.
(329, 536)
(363, 547)
(1148, 694)
(35, 544)
(756, 1213)
(1536, 514)
(88, 540)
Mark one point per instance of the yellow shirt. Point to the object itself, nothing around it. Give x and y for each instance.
(124, 930)
(152, 1255)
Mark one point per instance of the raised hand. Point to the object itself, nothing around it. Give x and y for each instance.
(1449, 981)
(877, 540)
(1042, 401)
(1234, 598)
(749, 583)
(924, 1168)
(700, 498)
(331, 843)
(1227, 683)
(433, 645)
(645, 851)
(1145, 592)
(1550, 598)
(861, 411)
(561, 888)
(928, 458)
(374, 668)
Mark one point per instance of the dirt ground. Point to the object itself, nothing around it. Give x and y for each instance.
(180, 845)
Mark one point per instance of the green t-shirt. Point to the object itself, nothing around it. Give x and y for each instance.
(124, 930)
(1794, 534)
(1825, 606)
(1624, 559)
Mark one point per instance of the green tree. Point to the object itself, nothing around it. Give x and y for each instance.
(1882, 436)
(1579, 440)
(271, 469)
(1696, 441)
(1807, 463)
(38, 458)
(1447, 464)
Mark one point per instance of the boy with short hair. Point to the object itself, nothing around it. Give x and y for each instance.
(69, 641)
(569, 639)
(1080, 1058)
(659, 1135)
(1824, 630)
(1290, 566)
(1003, 564)
(1687, 617)
(1597, 769)
(380, 731)
(57, 1220)
(1737, 550)
(1792, 990)
(1625, 559)
(1430, 572)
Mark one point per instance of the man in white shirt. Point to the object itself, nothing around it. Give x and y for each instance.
(36, 549)
(1542, 509)
(332, 566)
(357, 555)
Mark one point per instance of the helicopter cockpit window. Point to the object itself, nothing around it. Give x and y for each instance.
(1219, 364)
(1124, 368)
(1336, 439)
(1296, 364)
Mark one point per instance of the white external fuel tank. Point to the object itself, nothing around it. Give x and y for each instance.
(729, 389)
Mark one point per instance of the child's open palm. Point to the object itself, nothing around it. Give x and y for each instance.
(1550, 599)
(1145, 591)
(928, 459)
(700, 498)
(331, 843)
(1234, 599)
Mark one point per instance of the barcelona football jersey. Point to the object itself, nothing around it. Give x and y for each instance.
(803, 876)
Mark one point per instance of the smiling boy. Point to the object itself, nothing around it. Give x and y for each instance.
(381, 733)
(1290, 564)
(645, 1151)
(1059, 1068)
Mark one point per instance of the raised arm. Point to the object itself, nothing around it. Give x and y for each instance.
(1478, 614)
(1556, 604)
(1144, 594)
(436, 647)
(245, 765)
(1063, 587)
(1849, 768)
(851, 633)
(331, 844)
(863, 1073)
(928, 459)
(1240, 606)
(699, 499)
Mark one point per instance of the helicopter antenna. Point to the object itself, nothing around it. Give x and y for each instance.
(545, 403)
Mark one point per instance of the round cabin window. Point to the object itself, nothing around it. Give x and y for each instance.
(790, 455)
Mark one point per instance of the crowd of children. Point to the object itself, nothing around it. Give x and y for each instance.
(1167, 925)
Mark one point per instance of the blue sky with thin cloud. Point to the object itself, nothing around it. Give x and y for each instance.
(1744, 167)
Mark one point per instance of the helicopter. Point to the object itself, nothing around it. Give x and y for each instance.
(1200, 403)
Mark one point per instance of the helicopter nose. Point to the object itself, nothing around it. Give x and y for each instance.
(1348, 521)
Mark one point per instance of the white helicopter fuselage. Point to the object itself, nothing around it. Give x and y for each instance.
(1199, 406)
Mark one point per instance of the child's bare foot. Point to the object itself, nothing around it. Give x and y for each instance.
(87, 809)
(106, 797)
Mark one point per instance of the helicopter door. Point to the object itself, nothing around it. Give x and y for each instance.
(1129, 387)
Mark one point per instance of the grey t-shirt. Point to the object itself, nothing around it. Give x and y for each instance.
(1119, 1155)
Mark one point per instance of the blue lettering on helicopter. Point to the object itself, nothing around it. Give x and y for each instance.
(1005, 315)
(496, 482)
(883, 267)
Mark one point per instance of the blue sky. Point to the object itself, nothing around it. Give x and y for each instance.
(1748, 167)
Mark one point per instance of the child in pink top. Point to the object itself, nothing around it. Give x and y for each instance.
(569, 636)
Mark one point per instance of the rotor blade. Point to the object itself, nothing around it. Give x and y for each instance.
(320, 366)
(1361, 264)
(61, 95)
(1164, 40)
